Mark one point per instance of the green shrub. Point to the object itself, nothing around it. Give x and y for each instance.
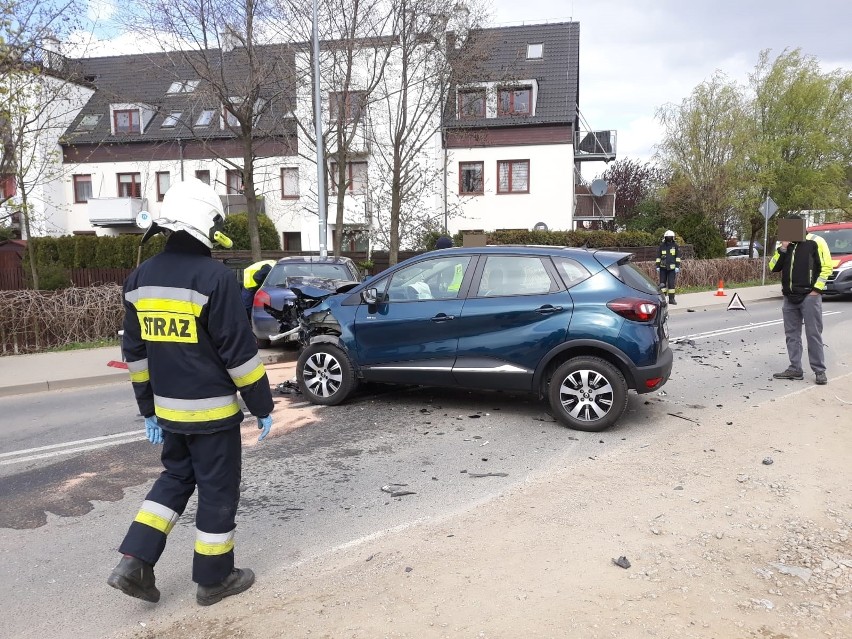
(702, 234)
(592, 239)
(236, 228)
(89, 251)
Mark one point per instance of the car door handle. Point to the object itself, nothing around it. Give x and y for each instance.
(548, 308)
(443, 317)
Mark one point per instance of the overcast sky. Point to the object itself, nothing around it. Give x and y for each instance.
(636, 55)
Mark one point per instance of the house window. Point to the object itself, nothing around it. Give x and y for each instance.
(535, 51)
(513, 176)
(125, 121)
(172, 119)
(470, 178)
(205, 117)
(203, 175)
(355, 176)
(164, 181)
(82, 188)
(350, 104)
(289, 183)
(129, 185)
(230, 120)
(233, 181)
(9, 186)
(472, 104)
(183, 86)
(514, 101)
(292, 240)
(89, 122)
(354, 239)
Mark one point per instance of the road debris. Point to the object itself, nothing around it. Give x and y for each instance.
(794, 571)
(290, 387)
(393, 490)
(477, 475)
(622, 562)
(767, 461)
(682, 417)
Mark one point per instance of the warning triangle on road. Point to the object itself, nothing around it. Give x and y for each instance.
(736, 304)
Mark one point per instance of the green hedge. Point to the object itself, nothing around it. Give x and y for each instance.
(236, 228)
(89, 251)
(592, 239)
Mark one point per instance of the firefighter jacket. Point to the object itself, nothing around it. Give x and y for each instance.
(187, 344)
(805, 267)
(668, 258)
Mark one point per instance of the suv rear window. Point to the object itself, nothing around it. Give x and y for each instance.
(633, 277)
(281, 272)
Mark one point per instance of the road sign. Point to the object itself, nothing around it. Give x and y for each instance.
(768, 207)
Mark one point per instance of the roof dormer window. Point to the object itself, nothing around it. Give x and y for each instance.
(125, 121)
(171, 120)
(183, 86)
(535, 51)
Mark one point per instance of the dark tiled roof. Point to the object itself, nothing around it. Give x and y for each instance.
(146, 78)
(557, 72)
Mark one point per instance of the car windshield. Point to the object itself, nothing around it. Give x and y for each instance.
(839, 240)
(279, 274)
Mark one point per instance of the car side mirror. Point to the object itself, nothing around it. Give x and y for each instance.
(370, 296)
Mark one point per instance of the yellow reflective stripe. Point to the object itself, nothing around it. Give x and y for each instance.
(171, 306)
(197, 415)
(251, 377)
(212, 544)
(140, 377)
(157, 516)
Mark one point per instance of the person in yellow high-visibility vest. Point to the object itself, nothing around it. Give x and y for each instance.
(253, 277)
(458, 276)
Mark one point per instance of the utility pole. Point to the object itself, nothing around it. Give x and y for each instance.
(321, 202)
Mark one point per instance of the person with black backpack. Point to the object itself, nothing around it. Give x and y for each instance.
(804, 267)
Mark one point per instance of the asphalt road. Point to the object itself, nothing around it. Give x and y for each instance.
(75, 468)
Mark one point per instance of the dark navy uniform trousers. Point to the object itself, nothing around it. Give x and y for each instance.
(213, 463)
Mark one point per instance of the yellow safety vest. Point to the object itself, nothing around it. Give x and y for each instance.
(249, 271)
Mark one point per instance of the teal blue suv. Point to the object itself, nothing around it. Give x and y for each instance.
(579, 327)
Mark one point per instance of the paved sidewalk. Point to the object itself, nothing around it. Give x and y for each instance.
(40, 372)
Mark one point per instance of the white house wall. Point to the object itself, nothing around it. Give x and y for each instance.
(551, 186)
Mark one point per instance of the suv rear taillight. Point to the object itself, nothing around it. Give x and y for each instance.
(261, 298)
(634, 309)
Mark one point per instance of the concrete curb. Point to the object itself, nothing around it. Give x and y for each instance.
(106, 378)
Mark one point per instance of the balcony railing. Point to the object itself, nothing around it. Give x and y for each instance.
(114, 211)
(595, 145)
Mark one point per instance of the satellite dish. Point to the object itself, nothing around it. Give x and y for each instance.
(540, 226)
(599, 187)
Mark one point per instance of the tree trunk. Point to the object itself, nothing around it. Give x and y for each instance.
(396, 205)
(251, 199)
(30, 244)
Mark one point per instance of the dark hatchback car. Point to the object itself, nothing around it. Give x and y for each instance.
(579, 327)
(326, 273)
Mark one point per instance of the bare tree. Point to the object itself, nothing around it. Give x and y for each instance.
(245, 76)
(414, 91)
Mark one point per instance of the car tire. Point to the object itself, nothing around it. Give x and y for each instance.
(587, 393)
(325, 374)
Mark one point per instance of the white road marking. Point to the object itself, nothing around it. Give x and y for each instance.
(74, 443)
(738, 329)
(136, 436)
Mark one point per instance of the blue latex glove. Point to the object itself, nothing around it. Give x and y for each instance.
(265, 425)
(153, 430)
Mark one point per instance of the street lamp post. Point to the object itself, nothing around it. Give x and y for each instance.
(321, 203)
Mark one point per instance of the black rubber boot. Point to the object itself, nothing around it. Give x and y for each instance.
(238, 581)
(135, 578)
(672, 299)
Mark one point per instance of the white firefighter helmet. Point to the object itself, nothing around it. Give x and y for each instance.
(194, 207)
(669, 233)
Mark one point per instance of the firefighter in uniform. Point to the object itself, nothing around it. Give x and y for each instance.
(668, 265)
(189, 350)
